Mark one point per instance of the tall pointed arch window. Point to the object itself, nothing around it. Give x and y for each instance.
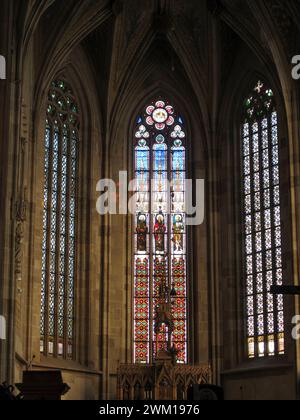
(58, 249)
(160, 281)
(262, 224)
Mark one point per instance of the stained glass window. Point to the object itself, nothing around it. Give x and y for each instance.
(262, 224)
(160, 283)
(58, 249)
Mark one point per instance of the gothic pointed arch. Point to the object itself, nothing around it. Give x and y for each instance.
(62, 135)
(71, 103)
(160, 263)
(262, 228)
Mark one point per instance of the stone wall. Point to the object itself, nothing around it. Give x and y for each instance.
(116, 58)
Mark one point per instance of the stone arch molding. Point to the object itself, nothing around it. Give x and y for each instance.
(237, 90)
(128, 107)
(64, 38)
(128, 74)
(163, 18)
(75, 70)
(159, 17)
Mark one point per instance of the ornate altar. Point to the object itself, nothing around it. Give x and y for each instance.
(163, 380)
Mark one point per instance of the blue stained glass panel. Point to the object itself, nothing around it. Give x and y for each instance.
(142, 159)
(160, 157)
(178, 159)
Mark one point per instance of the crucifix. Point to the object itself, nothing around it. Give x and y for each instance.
(259, 87)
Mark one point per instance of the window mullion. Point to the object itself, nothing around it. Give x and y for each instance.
(263, 238)
(272, 208)
(169, 223)
(151, 255)
(48, 242)
(57, 256)
(253, 234)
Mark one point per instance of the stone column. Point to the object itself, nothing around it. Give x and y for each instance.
(6, 31)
